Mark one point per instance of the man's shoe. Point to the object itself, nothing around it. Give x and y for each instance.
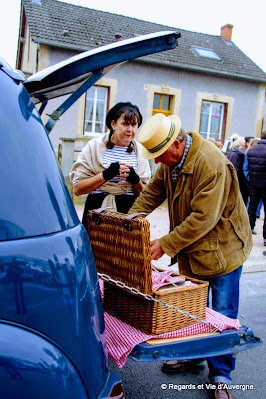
(177, 366)
(222, 392)
(253, 231)
(264, 242)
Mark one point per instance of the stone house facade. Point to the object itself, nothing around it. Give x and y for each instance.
(207, 80)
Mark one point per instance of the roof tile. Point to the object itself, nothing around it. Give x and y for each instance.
(57, 23)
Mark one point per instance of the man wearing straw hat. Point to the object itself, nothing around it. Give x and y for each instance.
(210, 235)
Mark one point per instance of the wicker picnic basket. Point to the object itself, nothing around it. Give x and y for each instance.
(121, 249)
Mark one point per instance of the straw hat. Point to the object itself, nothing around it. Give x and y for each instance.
(158, 134)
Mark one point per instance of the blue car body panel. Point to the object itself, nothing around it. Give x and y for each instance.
(35, 200)
(54, 290)
(50, 310)
(48, 280)
(228, 341)
(28, 360)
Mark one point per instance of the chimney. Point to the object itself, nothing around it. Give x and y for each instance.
(226, 32)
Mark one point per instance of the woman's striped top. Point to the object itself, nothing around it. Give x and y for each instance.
(119, 154)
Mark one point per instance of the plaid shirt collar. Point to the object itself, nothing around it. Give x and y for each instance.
(177, 169)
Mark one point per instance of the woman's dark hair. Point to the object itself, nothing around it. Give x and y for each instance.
(248, 139)
(132, 113)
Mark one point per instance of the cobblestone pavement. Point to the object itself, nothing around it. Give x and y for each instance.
(159, 226)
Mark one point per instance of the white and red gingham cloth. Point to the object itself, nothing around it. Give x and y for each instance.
(121, 337)
(159, 279)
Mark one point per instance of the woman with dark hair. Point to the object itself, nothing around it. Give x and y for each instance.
(110, 168)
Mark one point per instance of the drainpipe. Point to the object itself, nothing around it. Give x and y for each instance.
(37, 57)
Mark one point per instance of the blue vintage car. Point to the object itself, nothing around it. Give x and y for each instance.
(51, 317)
(52, 328)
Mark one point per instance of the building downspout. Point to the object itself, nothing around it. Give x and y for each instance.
(37, 57)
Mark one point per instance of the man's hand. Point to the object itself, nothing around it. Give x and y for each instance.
(156, 249)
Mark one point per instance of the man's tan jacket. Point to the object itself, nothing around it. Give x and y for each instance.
(209, 225)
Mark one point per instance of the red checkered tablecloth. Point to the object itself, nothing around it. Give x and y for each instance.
(121, 337)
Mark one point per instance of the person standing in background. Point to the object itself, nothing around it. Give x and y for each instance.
(248, 141)
(256, 165)
(246, 173)
(237, 155)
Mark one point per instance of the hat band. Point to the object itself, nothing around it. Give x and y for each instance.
(163, 143)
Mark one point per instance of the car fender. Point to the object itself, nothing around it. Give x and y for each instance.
(33, 367)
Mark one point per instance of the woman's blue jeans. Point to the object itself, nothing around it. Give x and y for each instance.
(225, 300)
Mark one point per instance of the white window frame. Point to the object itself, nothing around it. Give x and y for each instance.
(95, 102)
(212, 103)
(215, 97)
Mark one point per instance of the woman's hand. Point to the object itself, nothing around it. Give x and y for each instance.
(133, 177)
(128, 173)
(111, 172)
(124, 170)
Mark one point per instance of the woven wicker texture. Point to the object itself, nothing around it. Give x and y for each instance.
(121, 248)
(151, 317)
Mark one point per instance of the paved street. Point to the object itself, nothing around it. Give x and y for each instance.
(256, 262)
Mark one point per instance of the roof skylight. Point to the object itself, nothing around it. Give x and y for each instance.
(205, 52)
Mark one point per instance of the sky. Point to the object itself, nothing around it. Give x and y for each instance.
(205, 16)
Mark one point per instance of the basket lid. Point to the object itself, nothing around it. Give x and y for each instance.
(121, 247)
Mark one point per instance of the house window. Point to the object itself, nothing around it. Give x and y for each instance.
(211, 123)
(162, 103)
(205, 52)
(96, 105)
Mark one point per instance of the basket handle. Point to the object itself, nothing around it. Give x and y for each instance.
(129, 218)
(134, 215)
(96, 214)
(99, 210)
